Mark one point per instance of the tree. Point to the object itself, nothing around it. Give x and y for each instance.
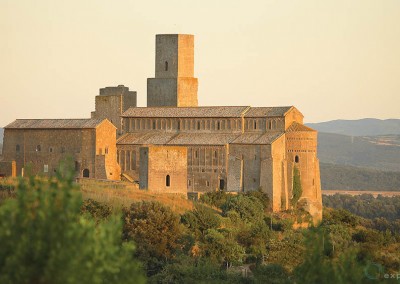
(249, 208)
(45, 239)
(201, 219)
(156, 230)
(320, 267)
(297, 190)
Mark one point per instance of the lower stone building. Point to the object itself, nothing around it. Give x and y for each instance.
(39, 145)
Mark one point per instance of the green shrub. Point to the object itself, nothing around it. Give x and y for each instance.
(44, 239)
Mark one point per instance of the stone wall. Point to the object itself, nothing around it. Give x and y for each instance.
(302, 153)
(164, 169)
(112, 102)
(174, 84)
(40, 151)
(106, 148)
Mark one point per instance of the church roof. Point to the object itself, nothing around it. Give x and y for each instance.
(54, 123)
(257, 139)
(219, 111)
(206, 111)
(185, 138)
(203, 139)
(267, 111)
(295, 126)
(140, 138)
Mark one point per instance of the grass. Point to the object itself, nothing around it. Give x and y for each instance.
(122, 194)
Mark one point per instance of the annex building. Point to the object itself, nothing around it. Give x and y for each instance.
(174, 145)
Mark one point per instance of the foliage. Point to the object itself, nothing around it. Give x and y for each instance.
(249, 208)
(214, 198)
(185, 270)
(221, 247)
(271, 273)
(366, 205)
(156, 230)
(201, 219)
(44, 239)
(319, 267)
(261, 196)
(97, 210)
(297, 190)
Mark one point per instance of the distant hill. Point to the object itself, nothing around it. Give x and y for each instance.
(374, 152)
(342, 177)
(361, 127)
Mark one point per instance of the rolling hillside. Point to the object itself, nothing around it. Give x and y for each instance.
(374, 152)
(361, 127)
(340, 177)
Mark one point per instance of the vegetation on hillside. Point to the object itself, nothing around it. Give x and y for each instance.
(49, 235)
(340, 177)
(46, 239)
(358, 152)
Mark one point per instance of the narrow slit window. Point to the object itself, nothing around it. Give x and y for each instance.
(296, 159)
(168, 180)
(166, 65)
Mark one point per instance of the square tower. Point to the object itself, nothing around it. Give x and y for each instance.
(174, 84)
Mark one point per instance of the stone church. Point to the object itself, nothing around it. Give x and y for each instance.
(174, 145)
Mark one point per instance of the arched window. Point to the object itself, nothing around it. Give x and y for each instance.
(296, 159)
(168, 180)
(166, 65)
(17, 148)
(85, 173)
(38, 148)
(218, 125)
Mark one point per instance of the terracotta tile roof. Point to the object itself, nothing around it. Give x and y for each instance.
(54, 123)
(219, 111)
(295, 126)
(267, 111)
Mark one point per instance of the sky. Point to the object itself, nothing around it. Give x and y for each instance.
(332, 59)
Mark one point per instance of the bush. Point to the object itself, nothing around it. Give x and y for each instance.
(44, 239)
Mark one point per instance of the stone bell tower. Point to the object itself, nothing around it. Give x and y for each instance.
(174, 84)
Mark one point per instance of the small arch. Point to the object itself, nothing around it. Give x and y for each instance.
(296, 159)
(86, 173)
(38, 148)
(255, 124)
(218, 125)
(198, 125)
(17, 148)
(168, 181)
(166, 65)
(50, 150)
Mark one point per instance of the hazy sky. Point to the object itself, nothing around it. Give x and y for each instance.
(331, 59)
